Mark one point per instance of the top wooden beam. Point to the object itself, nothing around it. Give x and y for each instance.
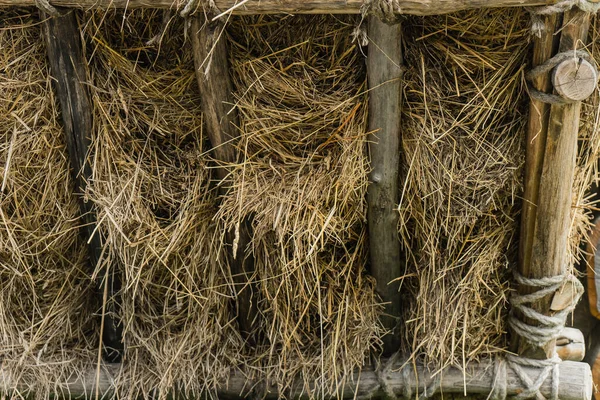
(414, 7)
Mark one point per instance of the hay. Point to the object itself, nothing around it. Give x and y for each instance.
(299, 85)
(586, 170)
(46, 329)
(464, 124)
(151, 187)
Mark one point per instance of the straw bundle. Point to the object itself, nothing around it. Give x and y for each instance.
(464, 120)
(46, 329)
(299, 85)
(151, 186)
(586, 170)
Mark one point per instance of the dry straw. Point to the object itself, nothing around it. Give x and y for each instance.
(151, 185)
(464, 124)
(299, 89)
(46, 330)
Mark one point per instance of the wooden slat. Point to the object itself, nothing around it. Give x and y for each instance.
(384, 70)
(415, 7)
(478, 379)
(212, 71)
(549, 176)
(68, 70)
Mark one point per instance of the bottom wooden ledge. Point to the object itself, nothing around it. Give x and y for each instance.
(575, 382)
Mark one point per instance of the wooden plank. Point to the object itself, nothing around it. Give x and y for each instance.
(384, 71)
(575, 382)
(415, 7)
(68, 70)
(221, 122)
(549, 176)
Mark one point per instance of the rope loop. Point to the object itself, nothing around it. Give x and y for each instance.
(45, 6)
(193, 6)
(543, 69)
(537, 13)
(546, 327)
(385, 10)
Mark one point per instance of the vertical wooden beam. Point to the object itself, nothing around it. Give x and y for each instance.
(212, 71)
(68, 70)
(384, 71)
(550, 167)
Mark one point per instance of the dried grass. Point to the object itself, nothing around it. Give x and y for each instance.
(151, 186)
(299, 88)
(586, 170)
(301, 180)
(46, 329)
(464, 124)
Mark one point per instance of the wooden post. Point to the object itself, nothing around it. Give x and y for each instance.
(221, 123)
(550, 167)
(68, 70)
(409, 382)
(384, 71)
(414, 7)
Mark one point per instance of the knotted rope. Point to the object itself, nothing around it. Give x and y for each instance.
(546, 67)
(45, 6)
(532, 387)
(537, 22)
(546, 328)
(386, 10)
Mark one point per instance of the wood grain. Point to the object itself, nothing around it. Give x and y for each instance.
(575, 79)
(478, 379)
(549, 179)
(384, 69)
(67, 67)
(415, 7)
(220, 121)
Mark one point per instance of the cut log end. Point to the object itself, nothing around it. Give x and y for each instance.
(575, 79)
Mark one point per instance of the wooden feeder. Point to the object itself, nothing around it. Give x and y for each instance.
(550, 162)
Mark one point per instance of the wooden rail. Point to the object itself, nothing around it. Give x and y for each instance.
(415, 7)
(575, 383)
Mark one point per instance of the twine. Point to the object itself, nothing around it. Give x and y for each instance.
(546, 67)
(537, 13)
(385, 10)
(547, 328)
(45, 6)
(193, 6)
(532, 386)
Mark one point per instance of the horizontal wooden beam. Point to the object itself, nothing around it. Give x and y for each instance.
(479, 379)
(414, 7)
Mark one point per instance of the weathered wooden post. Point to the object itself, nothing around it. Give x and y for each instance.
(67, 65)
(212, 72)
(384, 71)
(551, 152)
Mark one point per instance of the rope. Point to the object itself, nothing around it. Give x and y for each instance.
(382, 373)
(193, 6)
(546, 67)
(45, 6)
(547, 327)
(386, 10)
(537, 13)
(532, 386)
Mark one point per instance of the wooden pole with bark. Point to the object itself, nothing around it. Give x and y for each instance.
(384, 71)
(403, 379)
(221, 122)
(414, 7)
(550, 168)
(67, 66)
